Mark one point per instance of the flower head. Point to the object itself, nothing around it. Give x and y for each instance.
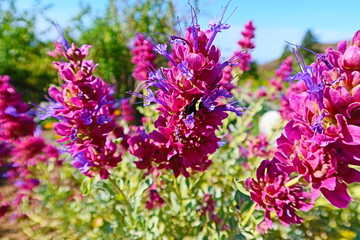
(188, 98)
(155, 201)
(270, 191)
(84, 106)
(321, 141)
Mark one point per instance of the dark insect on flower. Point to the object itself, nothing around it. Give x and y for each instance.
(191, 108)
(194, 106)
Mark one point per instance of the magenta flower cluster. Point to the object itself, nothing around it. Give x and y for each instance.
(143, 58)
(246, 43)
(187, 95)
(155, 200)
(84, 107)
(285, 109)
(282, 74)
(207, 208)
(127, 112)
(271, 192)
(13, 113)
(257, 146)
(321, 142)
(20, 147)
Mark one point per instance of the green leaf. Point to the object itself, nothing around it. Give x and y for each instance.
(232, 223)
(141, 188)
(174, 202)
(85, 186)
(240, 186)
(104, 194)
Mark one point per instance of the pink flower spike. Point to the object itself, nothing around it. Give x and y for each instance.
(190, 100)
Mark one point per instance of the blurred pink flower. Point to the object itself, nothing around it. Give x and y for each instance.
(143, 58)
(246, 43)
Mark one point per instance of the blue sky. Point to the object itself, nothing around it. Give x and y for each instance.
(276, 21)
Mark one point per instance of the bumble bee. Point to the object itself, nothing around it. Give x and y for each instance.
(194, 106)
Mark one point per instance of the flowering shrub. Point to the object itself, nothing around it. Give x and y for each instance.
(320, 143)
(294, 152)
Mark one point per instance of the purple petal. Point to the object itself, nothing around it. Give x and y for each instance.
(338, 197)
(349, 175)
(350, 134)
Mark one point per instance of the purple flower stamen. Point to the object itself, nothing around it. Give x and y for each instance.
(62, 40)
(319, 56)
(159, 48)
(216, 27)
(183, 67)
(189, 120)
(194, 28)
(311, 78)
(81, 162)
(209, 99)
(11, 111)
(234, 60)
(149, 99)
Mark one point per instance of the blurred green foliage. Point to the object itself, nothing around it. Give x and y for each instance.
(111, 35)
(22, 55)
(309, 41)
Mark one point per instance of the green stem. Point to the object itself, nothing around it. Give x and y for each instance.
(123, 196)
(179, 195)
(248, 215)
(292, 181)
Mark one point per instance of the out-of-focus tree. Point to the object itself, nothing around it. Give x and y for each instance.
(23, 55)
(286, 52)
(310, 42)
(111, 35)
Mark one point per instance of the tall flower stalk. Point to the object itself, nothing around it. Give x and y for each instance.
(187, 95)
(143, 58)
(84, 107)
(246, 43)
